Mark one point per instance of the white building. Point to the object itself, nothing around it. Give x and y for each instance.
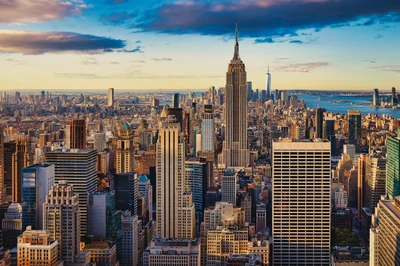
(229, 187)
(301, 201)
(207, 129)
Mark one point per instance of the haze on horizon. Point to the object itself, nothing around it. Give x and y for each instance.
(169, 44)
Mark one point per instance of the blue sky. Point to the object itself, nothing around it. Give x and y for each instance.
(145, 45)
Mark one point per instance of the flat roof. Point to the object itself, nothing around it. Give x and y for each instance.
(391, 205)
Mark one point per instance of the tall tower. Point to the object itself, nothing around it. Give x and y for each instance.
(125, 151)
(268, 85)
(207, 129)
(235, 149)
(110, 97)
(301, 200)
(2, 187)
(375, 98)
(21, 158)
(75, 134)
(62, 220)
(393, 167)
(354, 130)
(78, 168)
(175, 211)
(319, 120)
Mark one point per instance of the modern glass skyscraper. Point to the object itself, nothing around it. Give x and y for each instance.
(301, 200)
(354, 129)
(393, 167)
(75, 134)
(235, 148)
(268, 85)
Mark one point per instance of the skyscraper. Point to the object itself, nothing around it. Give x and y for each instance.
(129, 239)
(375, 98)
(62, 220)
(125, 150)
(249, 91)
(78, 168)
(329, 133)
(319, 120)
(20, 159)
(207, 129)
(37, 180)
(268, 87)
(75, 134)
(393, 167)
(375, 177)
(394, 98)
(229, 188)
(175, 100)
(235, 148)
(354, 129)
(175, 217)
(301, 201)
(2, 188)
(12, 225)
(126, 192)
(110, 97)
(146, 189)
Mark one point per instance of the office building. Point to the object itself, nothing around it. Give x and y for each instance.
(125, 150)
(245, 202)
(37, 180)
(394, 98)
(75, 134)
(301, 200)
(229, 187)
(361, 181)
(318, 124)
(12, 225)
(36, 247)
(175, 100)
(375, 180)
(375, 98)
(78, 168)
(110, 97)
(260, 247)
(249, 91)
(62, 221)
(207, 129)
(21, 158)
(129, 239)
(384, 232)
(393, 167)
(179, 252)
(146, 189)
(222, 242)
(261, 217)
(268, 85)
(175, 211)
(126, 192)
(329, 133)
(2, 166)
(354, 128)
(102, 253)
(235, 151)
(99, 141)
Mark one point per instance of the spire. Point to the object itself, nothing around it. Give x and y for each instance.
(236, 55)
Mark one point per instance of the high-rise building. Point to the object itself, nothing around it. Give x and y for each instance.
(207, 129)
(78, 168)
(179, 252)
(394, 98)
(9, 150)
(235, 148)
(102, 253)
(12, 225)
(37, 180)
(384, 232)
(2, 166)
(319, 120)
(99, 141)
(361, 181)
(375, 98)
(268, 87)
(129, 239)
(146, 189)
(75, 134)
(175, 211)
(249, 91)
(36, 247)
(375, 177)
(126, 192)
(62, 221)
(301, 201)
(229, 187)
(354, 129)
(261, 216)
(21, 158)
(175, 100)
(125, 150)
(329, 133)
(393, 167)
(110, 97)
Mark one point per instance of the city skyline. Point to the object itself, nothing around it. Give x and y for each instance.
(141, 45)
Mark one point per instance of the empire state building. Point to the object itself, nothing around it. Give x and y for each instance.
(235, 151)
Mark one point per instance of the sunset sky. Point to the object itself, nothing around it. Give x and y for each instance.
(149, 44)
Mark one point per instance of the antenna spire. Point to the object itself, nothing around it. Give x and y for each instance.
(236, 55)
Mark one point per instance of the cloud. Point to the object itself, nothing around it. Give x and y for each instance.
(138, 49)
(116, 2)
(23, 11)
(89, 61)
(114, 63)
(265, 18)
(15, 61)
(139, 61)
(388, 68)
(34, 43)
(378, 36)
(79, 76)
(116, 18)
(161, 59)
(296, 41)
(264, 40)
(301, 67)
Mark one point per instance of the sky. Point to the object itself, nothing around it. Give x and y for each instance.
(180, 45)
